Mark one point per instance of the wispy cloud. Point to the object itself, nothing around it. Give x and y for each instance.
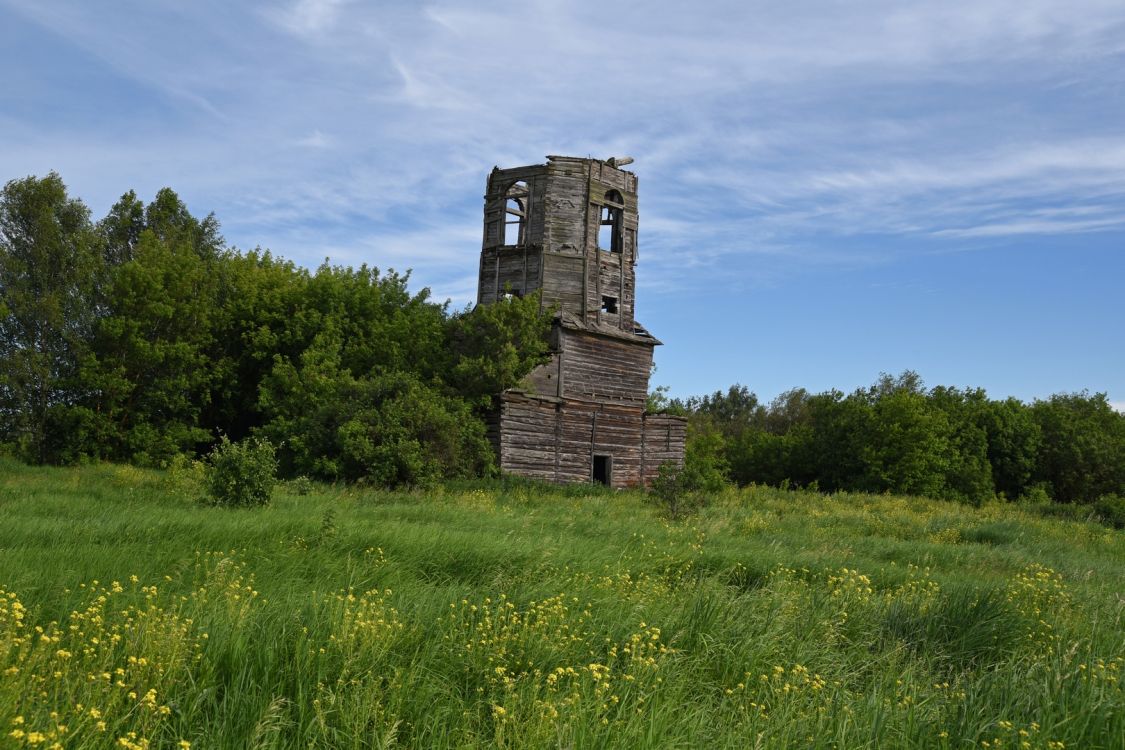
(315, 139)
(1005, 229)
(804, 167)
(757, 127)
(307, 17)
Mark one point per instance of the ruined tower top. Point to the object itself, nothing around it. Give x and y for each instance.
(567, 228)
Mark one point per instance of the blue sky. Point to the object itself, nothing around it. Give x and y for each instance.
(828, 190)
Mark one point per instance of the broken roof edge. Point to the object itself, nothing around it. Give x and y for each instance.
(665, 415)
(640, 334)
(613, 162)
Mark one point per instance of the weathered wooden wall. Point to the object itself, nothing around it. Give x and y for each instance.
(545, 380)
(562, 280)
(664, 440)
(556, 439)
(503, 269)
(600, 367)
(593, 366)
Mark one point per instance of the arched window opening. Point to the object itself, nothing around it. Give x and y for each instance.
(610, 235)
(515, 214)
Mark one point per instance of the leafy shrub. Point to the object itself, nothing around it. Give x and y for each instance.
(389, 429)
(672, 490)
(1111, 510)
(185, 477)
(681, 489)
(301, 485)
(241, 474)
(1035, 495)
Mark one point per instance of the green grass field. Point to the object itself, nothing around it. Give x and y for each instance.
(518, 616)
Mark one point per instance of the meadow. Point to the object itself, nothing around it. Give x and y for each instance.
(513, 615)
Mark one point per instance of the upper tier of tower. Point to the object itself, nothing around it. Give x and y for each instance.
(567, 228)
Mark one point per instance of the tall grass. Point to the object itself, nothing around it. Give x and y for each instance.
(513, 615)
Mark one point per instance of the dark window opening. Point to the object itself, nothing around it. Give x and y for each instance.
(603, 469)
(610, 234)
(609, 304)
(510, 294)
(515, 214)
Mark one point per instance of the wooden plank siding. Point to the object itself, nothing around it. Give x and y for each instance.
(556, 439)
(664, 439)
(606, 368)
(562, 281)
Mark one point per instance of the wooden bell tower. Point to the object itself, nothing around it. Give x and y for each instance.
(568, 229)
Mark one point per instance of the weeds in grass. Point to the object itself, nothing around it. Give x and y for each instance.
(504, 616)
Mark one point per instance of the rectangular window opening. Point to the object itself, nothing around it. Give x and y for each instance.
(609, 304)
(603, 470)
(605, 236)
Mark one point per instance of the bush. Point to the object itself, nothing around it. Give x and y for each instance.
(1111, 510)
(301, 485)
(241, 475)
(681, 489)
(185, 478)
(672, 491)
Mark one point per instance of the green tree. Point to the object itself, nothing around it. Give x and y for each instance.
(731, 413)
(169, 219)
(492, 347)
(121, 228)
(968, 473)
(788, 411)
(908, 446)
(703, 474)
(261, 312)
(382, 325)
(242, 474)
(834, 449)
(761, 457)
(50, 265)
(1013, 438)
(150, 370)
(1082, 452)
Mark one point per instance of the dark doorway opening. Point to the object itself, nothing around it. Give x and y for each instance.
(603, 469)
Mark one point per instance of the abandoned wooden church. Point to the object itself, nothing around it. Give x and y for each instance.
(568, 228)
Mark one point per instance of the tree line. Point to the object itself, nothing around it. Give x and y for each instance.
(897, 436)
(142, 336)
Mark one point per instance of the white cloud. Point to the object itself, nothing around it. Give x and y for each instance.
(315, 139)
(306, 18)
(1005, 229)
(774, 141)
(753, 124)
